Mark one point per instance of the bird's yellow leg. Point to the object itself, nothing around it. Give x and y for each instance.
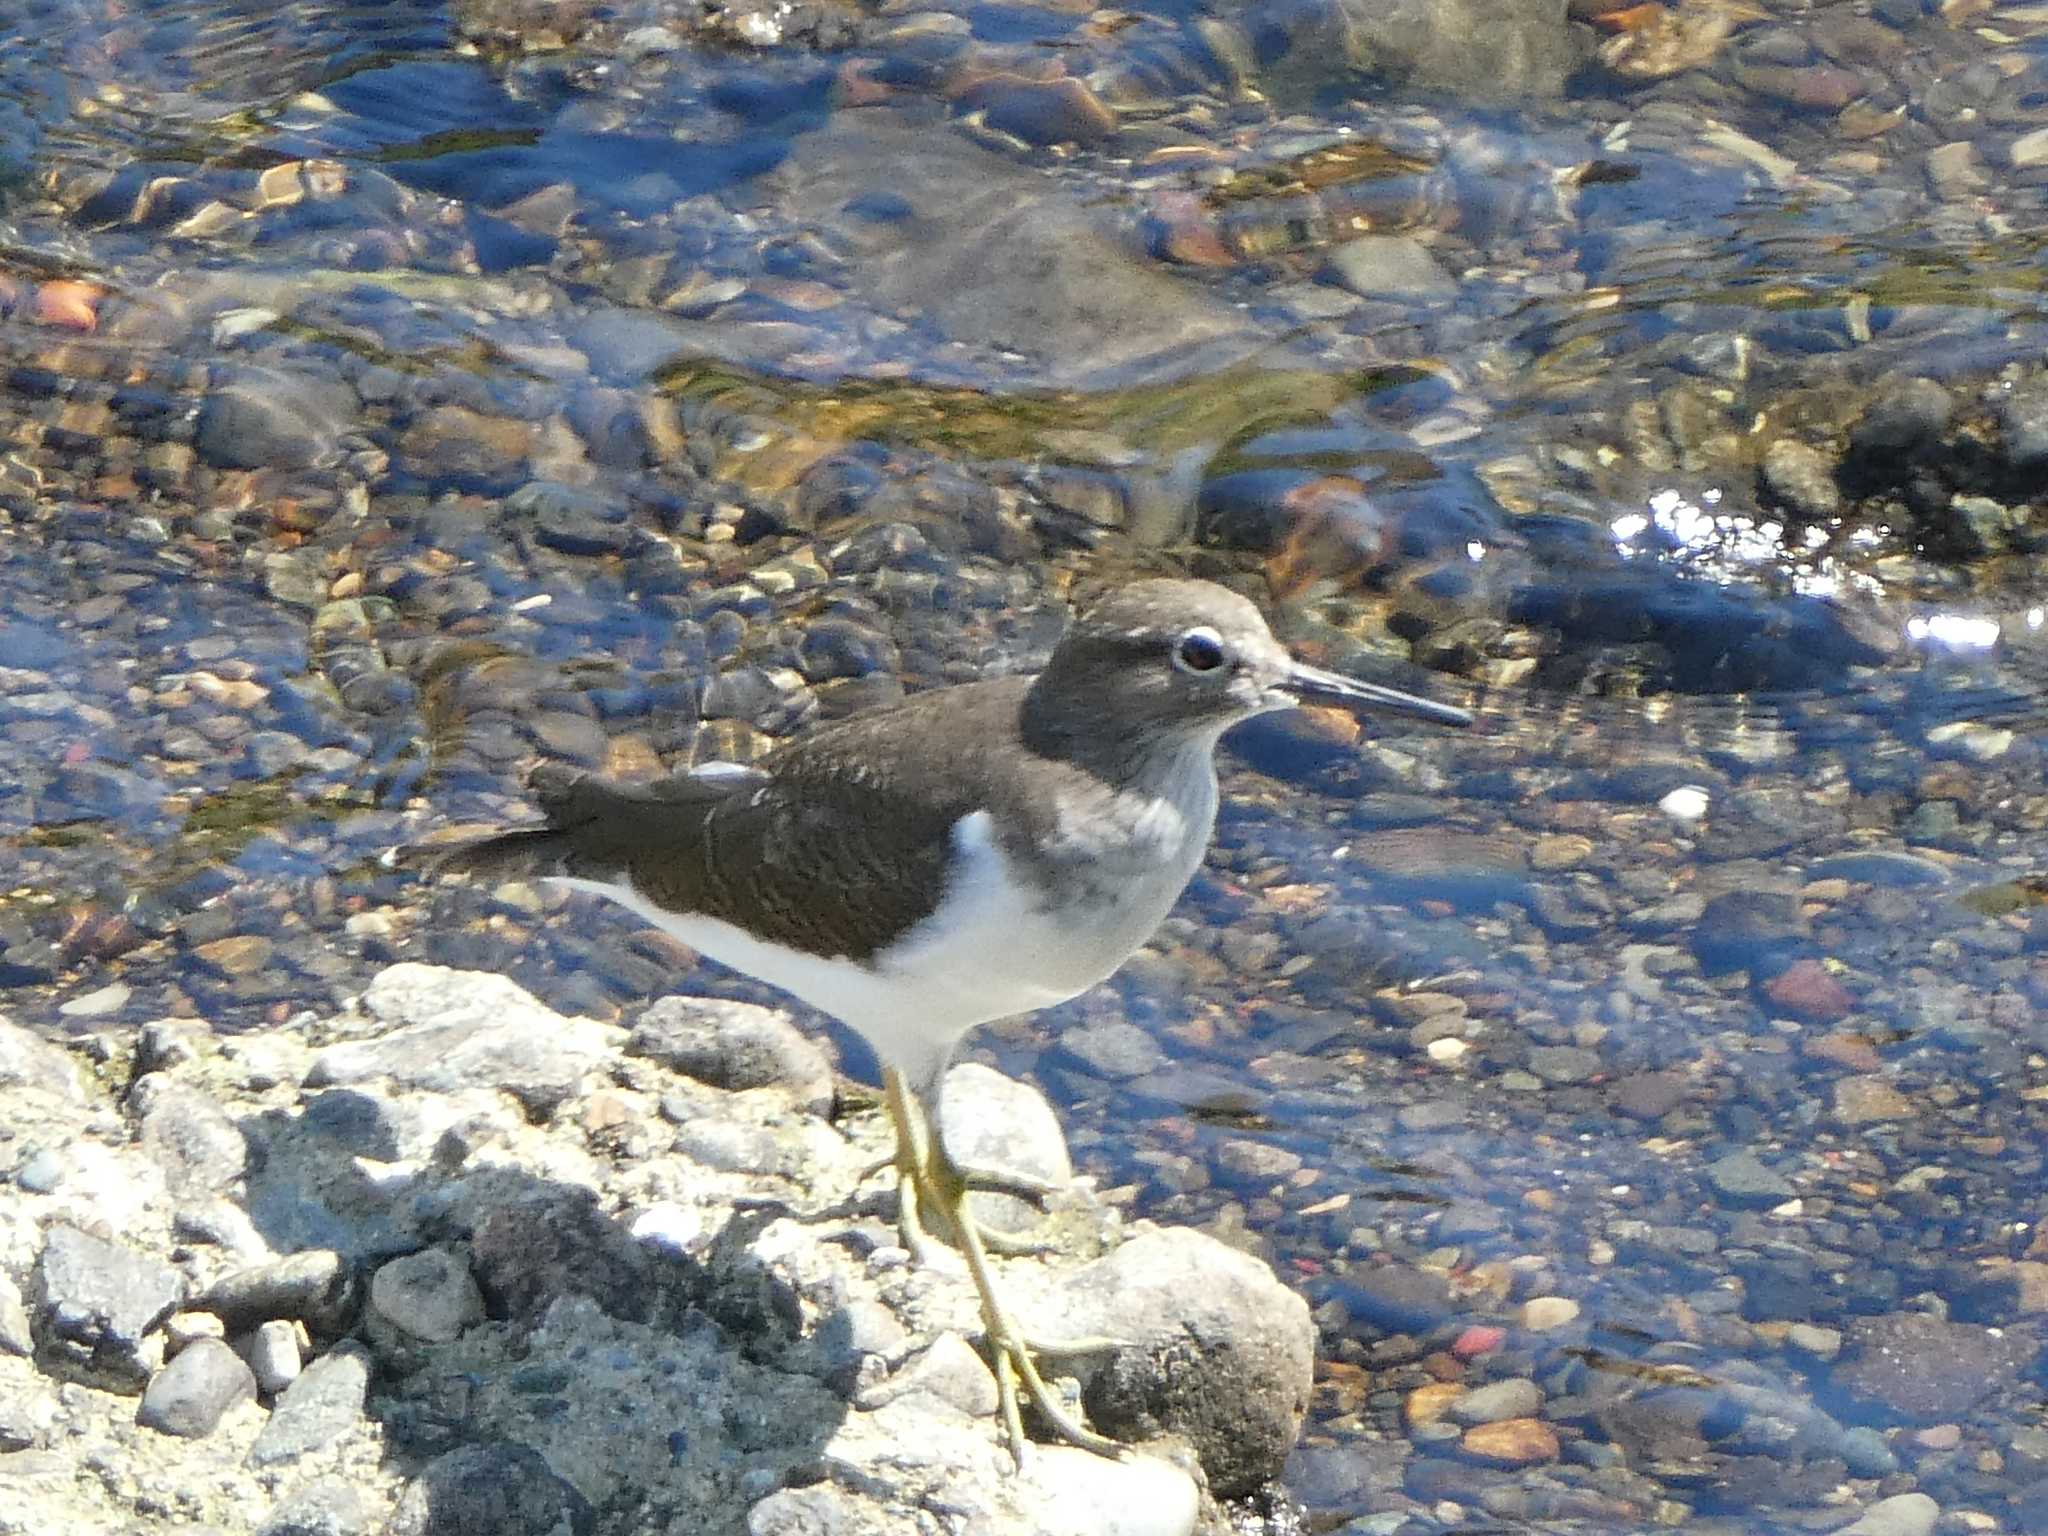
(1010, 1353)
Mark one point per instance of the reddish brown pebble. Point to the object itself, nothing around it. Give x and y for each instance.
(1805, 990)
(1478, 1340)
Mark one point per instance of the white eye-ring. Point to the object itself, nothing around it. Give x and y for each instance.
(1199, 650)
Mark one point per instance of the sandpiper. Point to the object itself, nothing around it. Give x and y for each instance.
(971, 853)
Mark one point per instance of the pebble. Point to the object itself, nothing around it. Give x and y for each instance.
(1389, 266)
(1543, 1314)
(325, 1403)
(1919, 1367)
(243, 954)
(273, 1355)
(1514, 1398)
(1511, 1443)
(1869, 1100)
(328, 1506)
(1103, 1496)
(1430, 1403)
(190, 1396)
(1810, 1339)
(430, 1296)
(1903, 1514)
(1806, 990)
(1741, 1179)
(100, 1003)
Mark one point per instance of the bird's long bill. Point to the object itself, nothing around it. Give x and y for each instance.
(1312, 685)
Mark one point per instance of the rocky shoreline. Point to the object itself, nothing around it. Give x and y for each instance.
(446, 1261)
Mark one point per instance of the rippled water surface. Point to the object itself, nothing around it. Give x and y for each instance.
(394, 395)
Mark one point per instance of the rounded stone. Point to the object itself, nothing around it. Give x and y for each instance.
(430, 1296)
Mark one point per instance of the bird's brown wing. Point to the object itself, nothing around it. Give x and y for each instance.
(837, 845)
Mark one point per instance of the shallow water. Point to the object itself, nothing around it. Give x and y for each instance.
(394, 394)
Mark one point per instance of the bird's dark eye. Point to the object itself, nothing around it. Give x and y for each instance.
(1199, 650)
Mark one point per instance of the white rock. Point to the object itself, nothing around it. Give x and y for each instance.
(1077, 1493)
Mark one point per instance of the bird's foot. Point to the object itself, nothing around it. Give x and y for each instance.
(1012, 1356)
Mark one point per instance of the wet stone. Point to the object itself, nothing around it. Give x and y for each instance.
(1903, 1514)
(1916, 1367)
(1741, 1178)
(1564, 1064)
(95, 1304)
(271, 419)
(324, 1404)
(1515, 1398)
(1113, 1049)
(1648, 1095)
(1389, 266)
(189, 1396)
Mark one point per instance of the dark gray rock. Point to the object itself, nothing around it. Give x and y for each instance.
(735, 1045)
(189, 1396)
(1213, 1348)
(328, 1507)
(271, 419)
(95, 1303)
(325, 1403)
(499, 1489)
(1909, 414)
(317, 1288)
(1913, 1367)
(1740, 1178)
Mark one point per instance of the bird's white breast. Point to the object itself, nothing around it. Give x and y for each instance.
(995, 945)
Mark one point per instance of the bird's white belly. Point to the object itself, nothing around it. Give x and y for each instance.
(989, 950)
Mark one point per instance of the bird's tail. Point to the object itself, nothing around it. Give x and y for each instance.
(528, 854)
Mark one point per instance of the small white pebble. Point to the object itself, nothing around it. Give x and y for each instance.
(668, 1225)
(1688, 802)
(1447, 1049)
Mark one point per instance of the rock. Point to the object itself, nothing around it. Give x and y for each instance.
(99, 1003)
(1800, 478)
(1564, 1064)
(428, 1296)
(1429, 1403)
(16, 1336)
(1749, 931)
(1909, 414)
(190, 1136)
(316, 1287)
(1391, 267)
(1912, 1366)
(463, 1029)
(325, 1403)
(1511, 1443)
(325, 1507)
(1514, 1398)
(1647, 1095)
(263, 418)
(273, 1355)
(1806, 990)
(29, 1061)
(451, 447)
(1903, 1514)
(1808, 1339)
(998, 1124)
(1114, 1049)
(735, 1046)
(1214, 1349)
(239, 954)
(951, 1371)
(1542, 1314)
(1867, 1100)
(95, 1303)
(1395, 1298)
(1741, 1179)
(497, 1489)
(189, 1396)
